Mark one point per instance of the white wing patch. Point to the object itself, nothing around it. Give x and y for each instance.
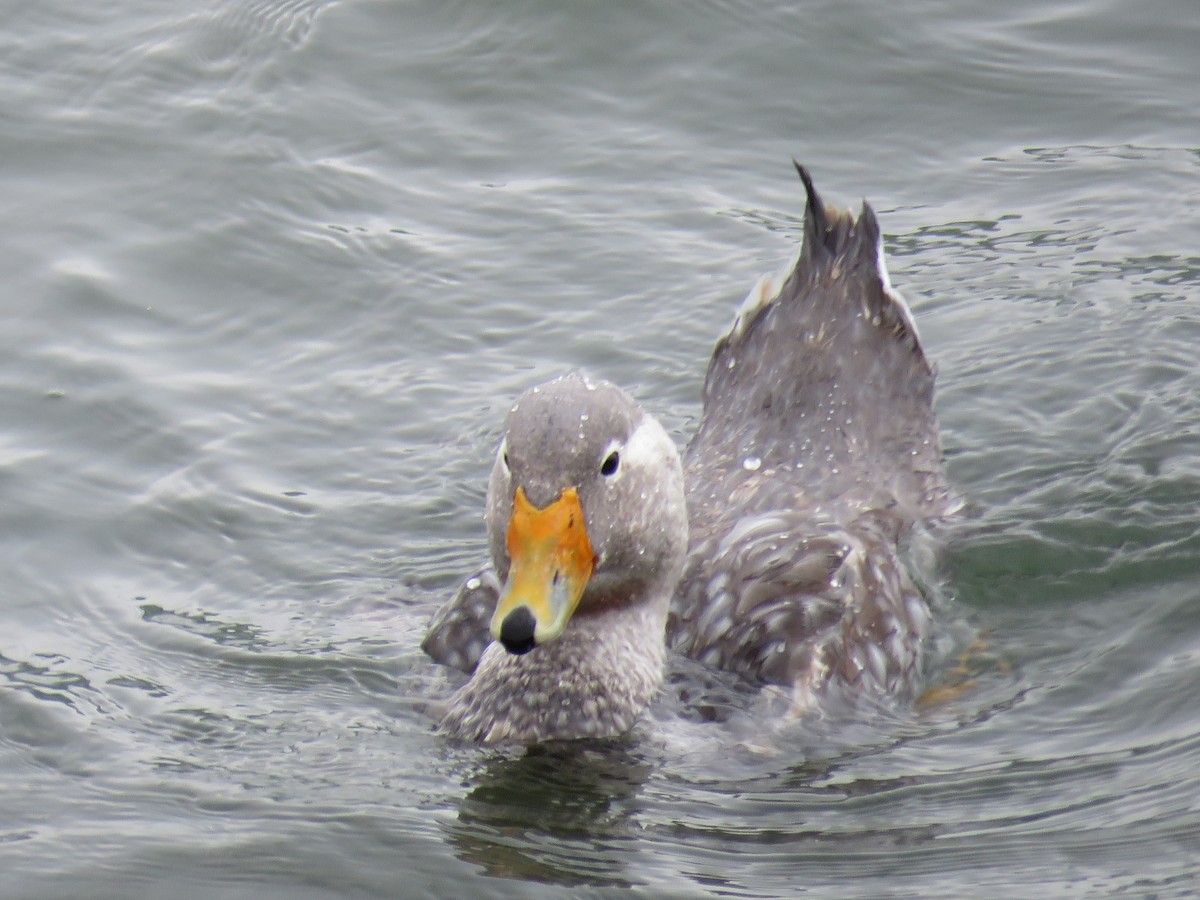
(891, 293)
(763, 294)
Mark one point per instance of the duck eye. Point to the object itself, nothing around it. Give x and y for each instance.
(609, 466)
(504, 458)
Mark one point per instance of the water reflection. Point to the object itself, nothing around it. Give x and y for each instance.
(49, 680)
(555, 814)
(236, 634)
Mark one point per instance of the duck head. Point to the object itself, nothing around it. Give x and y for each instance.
(585, 510)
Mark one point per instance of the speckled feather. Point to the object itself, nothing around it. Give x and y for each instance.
(615, 663)
(458, 633)
(817, 455)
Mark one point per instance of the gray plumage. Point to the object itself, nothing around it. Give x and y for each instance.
(816, 456)
(817, 452)
(602, 671)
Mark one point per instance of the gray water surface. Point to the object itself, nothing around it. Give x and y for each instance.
(273, 273)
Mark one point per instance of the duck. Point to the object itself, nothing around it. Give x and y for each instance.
(776, 547)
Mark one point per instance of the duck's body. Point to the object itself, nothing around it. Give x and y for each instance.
(817, 454)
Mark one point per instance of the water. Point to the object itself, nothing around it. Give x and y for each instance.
(273, 272)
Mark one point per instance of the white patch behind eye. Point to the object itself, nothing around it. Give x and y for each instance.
(649, 448)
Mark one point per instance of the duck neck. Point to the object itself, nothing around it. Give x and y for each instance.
(594, 680)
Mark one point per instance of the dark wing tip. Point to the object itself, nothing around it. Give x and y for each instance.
(815, 221)
(869, 235)
(838, 243)
(827, 231)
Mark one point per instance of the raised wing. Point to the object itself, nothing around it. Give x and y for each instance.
(817, 453)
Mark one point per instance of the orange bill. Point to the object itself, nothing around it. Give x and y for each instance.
(551, 561)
